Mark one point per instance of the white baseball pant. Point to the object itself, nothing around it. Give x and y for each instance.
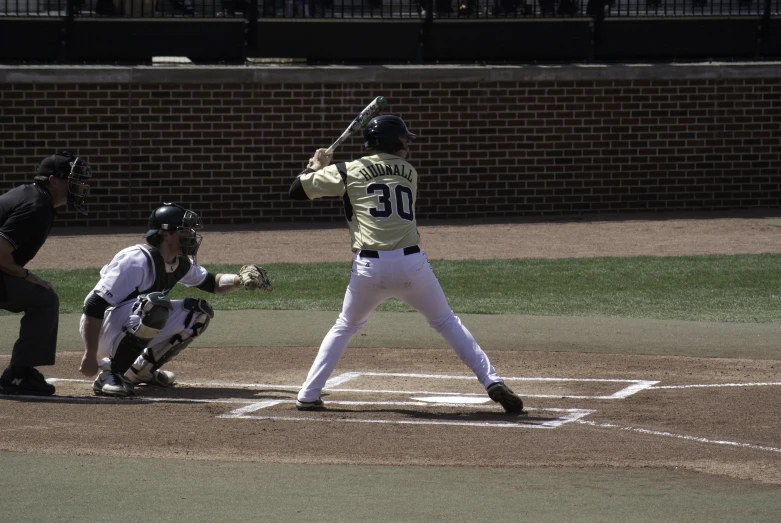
(116, 319)
(410, 279)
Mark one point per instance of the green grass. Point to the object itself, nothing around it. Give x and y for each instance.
(740, 288)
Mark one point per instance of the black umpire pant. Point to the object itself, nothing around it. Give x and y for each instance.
(37, 341)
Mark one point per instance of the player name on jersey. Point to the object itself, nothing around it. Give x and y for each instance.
(379, 170)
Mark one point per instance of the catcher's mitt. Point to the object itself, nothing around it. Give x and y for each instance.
(255, 277)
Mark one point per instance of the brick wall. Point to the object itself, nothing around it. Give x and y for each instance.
(493, 142)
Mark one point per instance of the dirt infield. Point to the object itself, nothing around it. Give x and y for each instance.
(420, 406)
(664, 235)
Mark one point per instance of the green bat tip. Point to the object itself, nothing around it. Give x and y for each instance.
(381, 101)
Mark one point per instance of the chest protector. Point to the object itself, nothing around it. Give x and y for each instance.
(164, 281)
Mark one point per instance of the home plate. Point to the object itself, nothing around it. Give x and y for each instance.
(461, 400)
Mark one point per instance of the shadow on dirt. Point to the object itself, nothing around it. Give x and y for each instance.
(214, 393)
(183, 395)
(465, 417)
(146, 394)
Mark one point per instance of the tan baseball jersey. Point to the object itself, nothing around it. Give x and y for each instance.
(379, 199)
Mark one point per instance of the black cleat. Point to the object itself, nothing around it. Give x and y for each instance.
(310, 405)
(501, 393)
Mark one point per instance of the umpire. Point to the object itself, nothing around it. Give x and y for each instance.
(26, 217)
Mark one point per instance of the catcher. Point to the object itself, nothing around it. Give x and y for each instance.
(130, 327)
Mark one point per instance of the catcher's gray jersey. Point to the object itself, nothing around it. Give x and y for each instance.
(380, 195)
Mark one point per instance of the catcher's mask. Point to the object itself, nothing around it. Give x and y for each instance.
(173, 217)
(76, 170)
(384, 133)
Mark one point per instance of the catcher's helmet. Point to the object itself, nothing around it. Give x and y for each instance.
(384, 132)
(69, 167)
(173, 217)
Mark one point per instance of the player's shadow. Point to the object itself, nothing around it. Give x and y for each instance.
(214, 393)
(75, 399)
(466, 417)
(176, 394)
(183, 394)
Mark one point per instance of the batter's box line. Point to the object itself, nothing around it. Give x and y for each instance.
(719, 385)
(697, 439)
(332, 385)
(569, 416)
(634, 386)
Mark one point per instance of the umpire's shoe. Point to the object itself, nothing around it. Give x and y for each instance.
(112, 384)
(26, 381)
(310, 405)
(501, 393)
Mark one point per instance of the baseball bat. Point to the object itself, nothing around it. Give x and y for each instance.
(369, 112)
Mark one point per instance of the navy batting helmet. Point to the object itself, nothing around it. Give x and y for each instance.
(384, 132)
(173, 217)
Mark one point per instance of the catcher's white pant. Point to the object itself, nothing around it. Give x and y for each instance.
(117, 319)
(411, 279)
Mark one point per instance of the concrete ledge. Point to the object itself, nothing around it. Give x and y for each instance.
(269, 73)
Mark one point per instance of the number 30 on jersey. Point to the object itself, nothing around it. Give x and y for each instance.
(399, 198)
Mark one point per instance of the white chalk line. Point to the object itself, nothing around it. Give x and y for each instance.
(544, 425)
(680, 436)
(569, 415)
(332, 386)
(342, 378)
(253, 405)
(635, 387)
(717, 385)
(352, 375)
(631, 389)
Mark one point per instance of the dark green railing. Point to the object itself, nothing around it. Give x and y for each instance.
(393, 9)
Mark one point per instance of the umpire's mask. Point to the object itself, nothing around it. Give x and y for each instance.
(74, 169)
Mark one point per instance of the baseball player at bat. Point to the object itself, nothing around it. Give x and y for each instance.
(379, 192)
(130, 326)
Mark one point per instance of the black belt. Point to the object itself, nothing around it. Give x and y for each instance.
(365, 253)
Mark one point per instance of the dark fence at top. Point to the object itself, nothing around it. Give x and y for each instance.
(385, 9)
(387, 31)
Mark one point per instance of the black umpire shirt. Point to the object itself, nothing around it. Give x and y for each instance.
(26, 218)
